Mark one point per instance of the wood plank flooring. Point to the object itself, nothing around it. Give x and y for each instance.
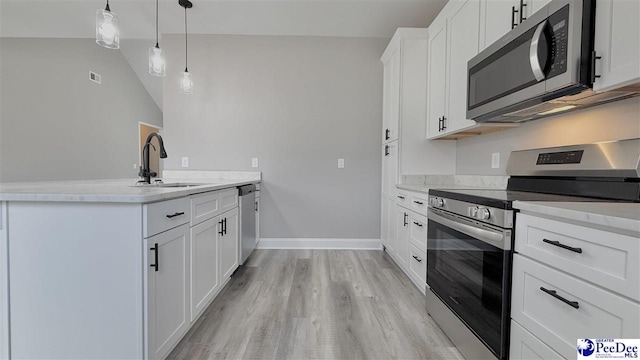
(317, 304)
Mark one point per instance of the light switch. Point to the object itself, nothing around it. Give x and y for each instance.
(495, 160)
(254, 162)
(185, 161)
(340, 163)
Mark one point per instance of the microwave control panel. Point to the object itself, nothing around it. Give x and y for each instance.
(559, 38)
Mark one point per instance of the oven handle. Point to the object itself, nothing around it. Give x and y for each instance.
(500, 240)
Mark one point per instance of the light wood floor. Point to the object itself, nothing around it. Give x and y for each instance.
(317, 304)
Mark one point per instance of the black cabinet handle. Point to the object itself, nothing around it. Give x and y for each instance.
(553, 293)
(400, 197)
(418, 202)
(417, 223)
(221, 232)
(256, 206)
(176, 214)
(417, 258)
(444, 124)
(594, 58)
(387, 134)
(386, 150)
(405, 219)
(513, 17)
(559, 244)
(439, 124)
(522, 5)
(225, 226)
(155, 251)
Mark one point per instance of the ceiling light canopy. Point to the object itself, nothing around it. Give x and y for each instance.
(107, 28)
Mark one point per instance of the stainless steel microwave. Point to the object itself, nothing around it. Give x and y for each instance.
(543, 66)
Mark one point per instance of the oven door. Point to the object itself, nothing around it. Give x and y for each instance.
(468, 268)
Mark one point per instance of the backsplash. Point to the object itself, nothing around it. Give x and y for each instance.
(480, 181)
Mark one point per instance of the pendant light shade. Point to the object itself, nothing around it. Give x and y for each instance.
(107, 28)
(157, 63)
(186, 83)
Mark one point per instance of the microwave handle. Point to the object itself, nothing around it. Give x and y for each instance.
(534, 56)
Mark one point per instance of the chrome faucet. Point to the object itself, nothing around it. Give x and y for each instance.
(145, 172)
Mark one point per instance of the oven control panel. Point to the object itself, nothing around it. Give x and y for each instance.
(479, 212)
(475, 211)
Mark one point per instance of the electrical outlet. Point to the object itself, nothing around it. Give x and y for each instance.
(495, 160)
(185, 161)
(254, 162)
(340, 163)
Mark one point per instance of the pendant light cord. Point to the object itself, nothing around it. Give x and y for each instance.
(107, 8)
(186, 46)
(157, 43)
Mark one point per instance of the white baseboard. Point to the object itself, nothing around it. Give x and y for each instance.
(319, 243)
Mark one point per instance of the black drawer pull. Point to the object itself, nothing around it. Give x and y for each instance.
(176, 214)
(405, 219)
(417, 223)
(553, 293)
(400, 197)
(155, 250)
(418, 202)
(559, 244)
(386, 150)
(387, 134)
(417, 258)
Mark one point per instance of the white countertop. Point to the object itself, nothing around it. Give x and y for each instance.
(625, 216)
(119, 190)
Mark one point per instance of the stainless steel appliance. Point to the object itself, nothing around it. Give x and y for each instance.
(544, 66)
(247, 194)
(470, 234)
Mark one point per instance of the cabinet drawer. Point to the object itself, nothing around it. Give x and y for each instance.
(525, 346)
(403, 198)
(418, 230)
(419, 203)
(204, 207)
(228, 199)
(164, 215)
(599, 313)
(418, 265)
(607, 259)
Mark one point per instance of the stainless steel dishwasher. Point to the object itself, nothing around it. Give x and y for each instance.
(248, 239)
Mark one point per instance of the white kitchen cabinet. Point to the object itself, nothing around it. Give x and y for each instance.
(418, 267)
(387, 215)
(205, 272)
(402, 247)
(229, 244)
(257, 215)
(167, 274)
(437, 74)
(498, 17)
(391, 95)
(617, 43)
(525, 346)
(4, 286)
(390, 169)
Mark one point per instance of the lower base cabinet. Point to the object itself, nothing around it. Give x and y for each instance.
(205, 272)
(524, 345)
(229, 244)
(167, 290)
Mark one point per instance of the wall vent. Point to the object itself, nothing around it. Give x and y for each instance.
(96, 78)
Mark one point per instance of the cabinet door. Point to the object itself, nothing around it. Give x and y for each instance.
(392, 96)
(229, 242)
(384, 223)
(436, 92)
(390, 168)
(617, 41)
(402, 247)
(534, 5)
(464, 26)
(205, 279)
(167, 290)
(497, 17)
(258, 218)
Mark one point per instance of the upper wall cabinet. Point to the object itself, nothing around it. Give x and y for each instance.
(617, 44)
(500, 16)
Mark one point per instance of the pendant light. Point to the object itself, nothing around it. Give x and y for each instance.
(157, 63)
(186, 84)
(107, 30)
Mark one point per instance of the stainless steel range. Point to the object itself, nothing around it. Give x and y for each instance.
(470, 234)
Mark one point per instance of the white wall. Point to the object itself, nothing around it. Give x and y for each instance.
(297, 104)
(55, 124)
(613, 121)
